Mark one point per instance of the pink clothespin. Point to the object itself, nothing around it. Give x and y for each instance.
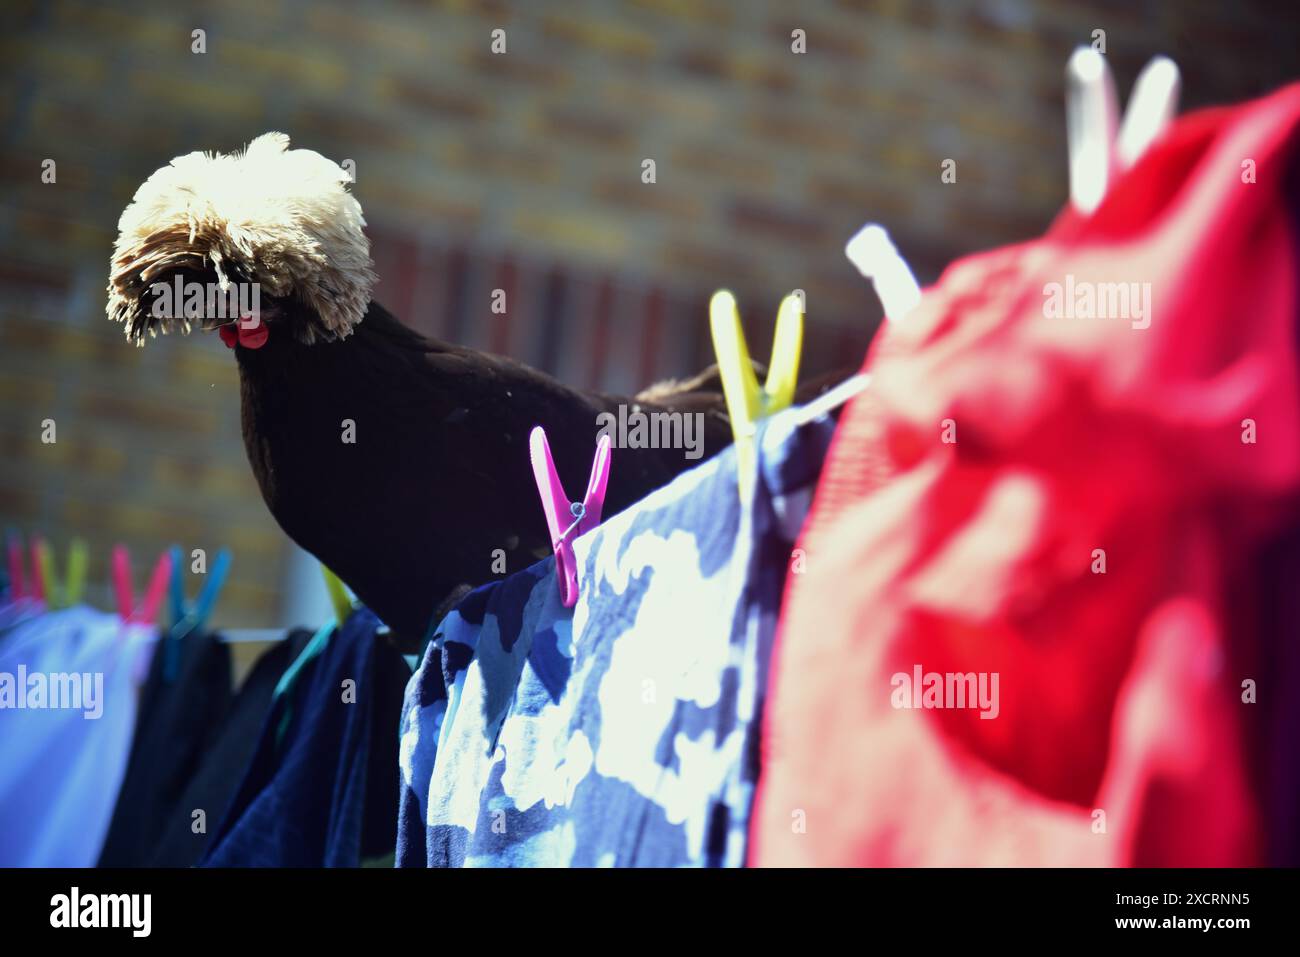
(153, 596)
(565, 519)
(38, 572)
(147, 612)
(122, 582)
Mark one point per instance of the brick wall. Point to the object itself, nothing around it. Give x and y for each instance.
(521, 171)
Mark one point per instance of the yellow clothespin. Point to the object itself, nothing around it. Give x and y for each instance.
(67, 593)
(746, 402)
(338, 596)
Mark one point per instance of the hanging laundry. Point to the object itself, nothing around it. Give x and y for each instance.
(182, 834)
(19, 602)
(622, 731)
(1078, 500)
(14, 613)
(174, 727)
(69, 685)
(320, 789)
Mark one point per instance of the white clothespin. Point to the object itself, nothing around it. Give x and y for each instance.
(1097, 152)
(1151, 107)
(875, 256)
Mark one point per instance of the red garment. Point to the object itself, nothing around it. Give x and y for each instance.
(1118, 692)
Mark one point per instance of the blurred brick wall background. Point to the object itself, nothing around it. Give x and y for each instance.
(521, 171)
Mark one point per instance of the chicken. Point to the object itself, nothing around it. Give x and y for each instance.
(400, 462)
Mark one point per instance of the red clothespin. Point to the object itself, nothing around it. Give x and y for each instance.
(565, 519)
(147, 612)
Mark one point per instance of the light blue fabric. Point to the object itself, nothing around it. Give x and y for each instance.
(14, 613)
(624, 731)
(60, 770)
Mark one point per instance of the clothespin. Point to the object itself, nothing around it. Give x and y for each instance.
(746, 402)
(567, 520)
(876, 257)
(339, 599)
(59, 595)
(1097, 152)
(1151, 107)
(38, 570)
(1091, 119)
(319, 642)
(147, 611)
(310, 651)
(185, 618)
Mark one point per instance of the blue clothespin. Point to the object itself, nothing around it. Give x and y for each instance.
(184, 617)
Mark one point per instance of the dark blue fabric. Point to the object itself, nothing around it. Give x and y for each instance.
(224, 760)
(176, 723)
(623, 731)
(325, 796)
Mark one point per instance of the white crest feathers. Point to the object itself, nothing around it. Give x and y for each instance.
(281, 217)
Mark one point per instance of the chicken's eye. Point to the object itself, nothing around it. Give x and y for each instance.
(269, 312)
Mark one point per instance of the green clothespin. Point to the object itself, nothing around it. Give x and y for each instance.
(338, 596)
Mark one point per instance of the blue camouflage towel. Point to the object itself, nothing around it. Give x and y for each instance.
(624, 731)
